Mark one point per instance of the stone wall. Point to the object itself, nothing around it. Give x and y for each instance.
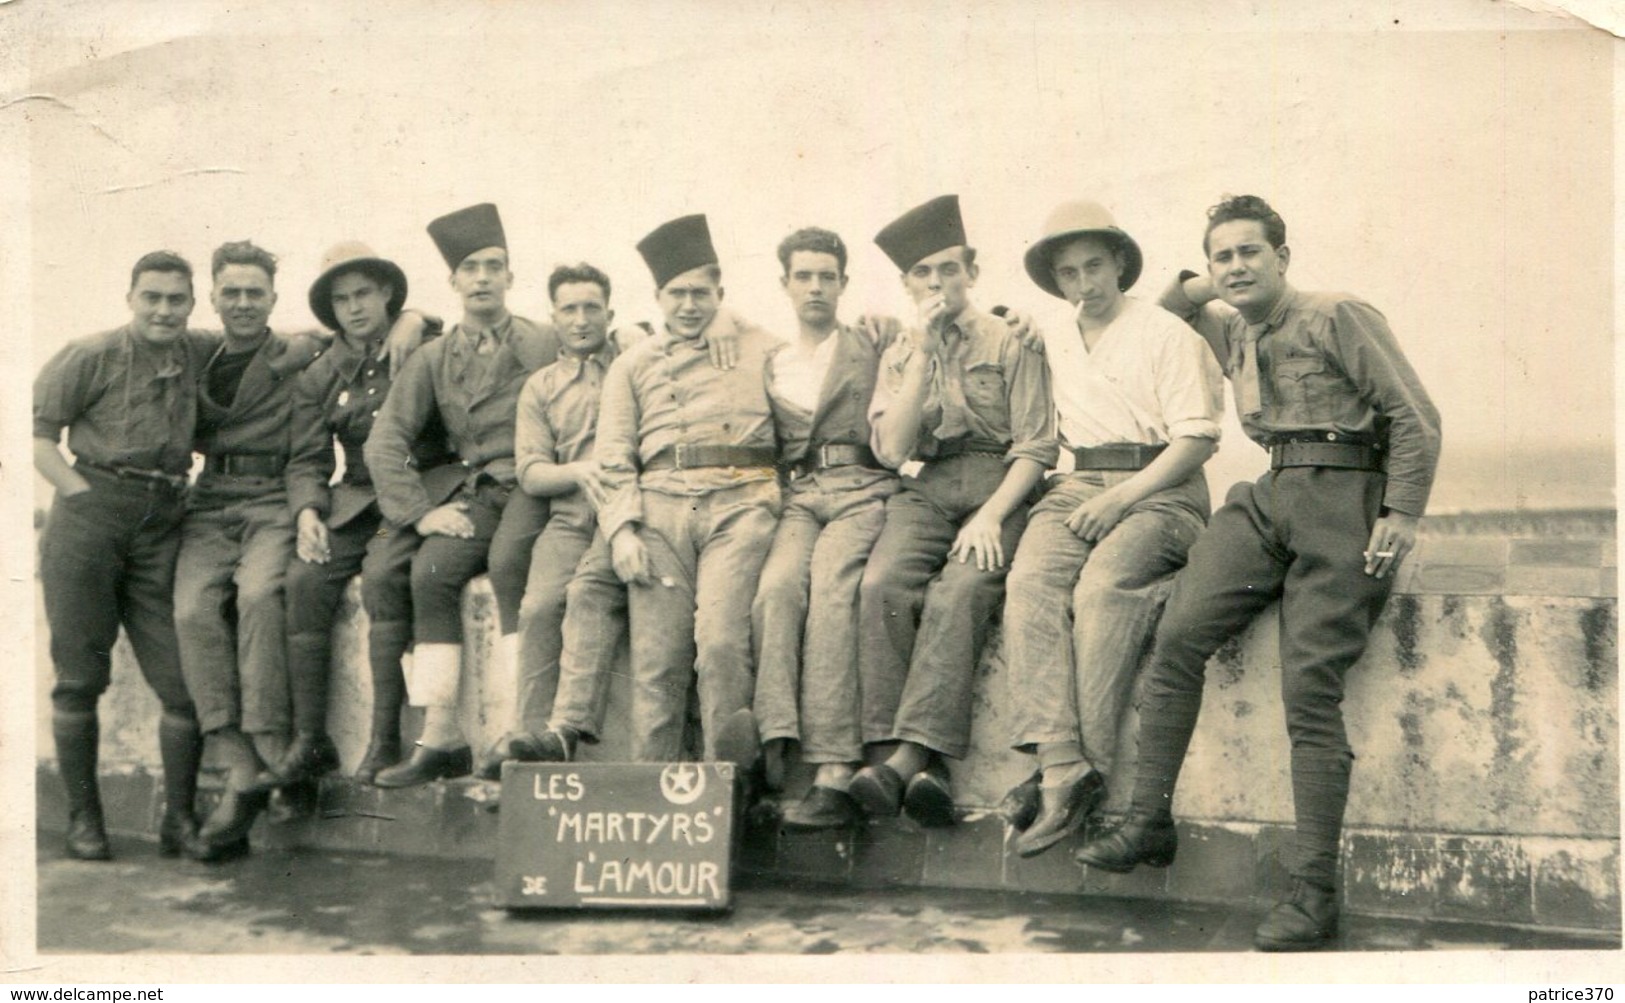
(1483, 716)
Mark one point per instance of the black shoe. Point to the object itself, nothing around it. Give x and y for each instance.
(557, 745)
(1305, 921)
(517, 746)
(382, 753)
(490, 764)
(738, 742)
(87, 837)
(878, 790)
(526, 746)
(822, 808)
(229, 822)
(775, 756)
(294, 801)
(308, 758)
(1021, 803)
(928, 799)
(218, 853)
(1141, 839)
(427, 764)
(176, 832)
(1062, 814)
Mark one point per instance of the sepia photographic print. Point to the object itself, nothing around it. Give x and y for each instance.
(687, 492)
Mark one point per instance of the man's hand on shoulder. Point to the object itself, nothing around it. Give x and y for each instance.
(722, 339)
(406, 336)
(1022, 326)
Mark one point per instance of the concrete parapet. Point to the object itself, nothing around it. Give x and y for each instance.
(1484, 719)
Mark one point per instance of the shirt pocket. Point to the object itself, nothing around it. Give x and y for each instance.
(987, 395)
(1303, 388)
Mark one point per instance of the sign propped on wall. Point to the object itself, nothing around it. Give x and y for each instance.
(615, 836)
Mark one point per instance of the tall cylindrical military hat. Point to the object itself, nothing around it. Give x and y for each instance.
(673, 248)
(461, 233)
(923, 231)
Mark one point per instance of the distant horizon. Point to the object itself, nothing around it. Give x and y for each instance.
(1474, 479)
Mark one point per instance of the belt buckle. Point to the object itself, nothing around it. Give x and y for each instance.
(823, 457)
(677, 452)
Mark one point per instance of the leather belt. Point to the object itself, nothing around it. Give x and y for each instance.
(835, 454)
(690, 456)
(156, 478)
(1346, 455)
(970, 447)
(245, 464)
(1118, 456)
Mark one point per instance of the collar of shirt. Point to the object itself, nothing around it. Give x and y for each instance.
(1278, 312)
(168, 361)
(955, 331)
(498, 333)
(350, 354)
(577, 364)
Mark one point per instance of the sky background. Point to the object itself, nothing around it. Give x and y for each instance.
(1449, 162)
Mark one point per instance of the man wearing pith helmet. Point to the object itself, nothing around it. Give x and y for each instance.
(1137, 398)
(961, 394)
(469, 380)
(1321, 382)
(341, 530)
(687, 453)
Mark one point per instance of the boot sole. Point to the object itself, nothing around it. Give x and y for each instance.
(1158, 861)
(1281, 946)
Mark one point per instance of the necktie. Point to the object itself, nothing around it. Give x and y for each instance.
(485, 343)
(948, 380)
(1244, 371)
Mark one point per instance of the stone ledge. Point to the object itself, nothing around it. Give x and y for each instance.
(1529, 881)
(1474, 557)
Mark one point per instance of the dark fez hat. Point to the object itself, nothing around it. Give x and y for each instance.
(673, 248)
(461, 233)
(923, 231)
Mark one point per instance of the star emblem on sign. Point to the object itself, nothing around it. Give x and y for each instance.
(682, 783)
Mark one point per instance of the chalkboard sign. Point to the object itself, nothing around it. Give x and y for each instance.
(615, 835)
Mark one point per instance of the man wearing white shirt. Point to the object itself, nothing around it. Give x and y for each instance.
(806, 611)
(1137, 395)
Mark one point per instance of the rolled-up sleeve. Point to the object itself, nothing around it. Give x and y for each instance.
(1189, 385)
(1032, 408)
(616, 448)
(311, 460)
(405, 413)
(533, 438)
(1374, 362)
(62, 391)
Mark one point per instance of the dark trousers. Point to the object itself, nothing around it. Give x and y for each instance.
(506, 522)
(107, 557)
(923, 618)
(1297, 535)
(382, 555)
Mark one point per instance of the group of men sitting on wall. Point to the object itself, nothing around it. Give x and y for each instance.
(812, 534)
